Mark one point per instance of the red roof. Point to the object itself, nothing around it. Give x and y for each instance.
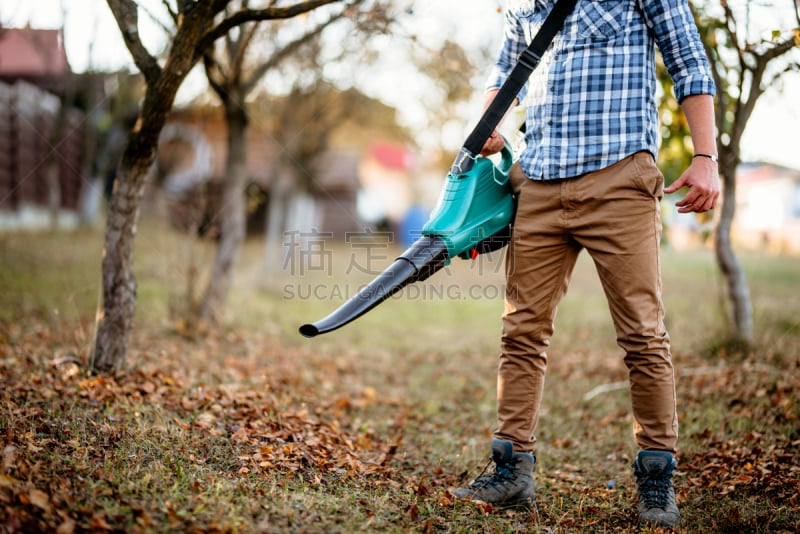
(28, 52)
(393, 156)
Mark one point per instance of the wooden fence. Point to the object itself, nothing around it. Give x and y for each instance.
(28, 117)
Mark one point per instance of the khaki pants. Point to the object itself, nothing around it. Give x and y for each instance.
(613, 214)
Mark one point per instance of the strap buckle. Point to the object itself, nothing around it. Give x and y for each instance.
(529, 58)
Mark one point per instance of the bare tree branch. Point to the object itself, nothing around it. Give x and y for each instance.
(237, 59)
(127, 16)
(186, 5)
(780, 48)
(152, 16)
(172, 13)
(797, 13)
(730, 29)
(230, 45)
(216, 79)
(757, 87)
(247, 15)
(284, 52)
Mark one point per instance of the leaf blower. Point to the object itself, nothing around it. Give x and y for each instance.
(476, 206)
(473, 215)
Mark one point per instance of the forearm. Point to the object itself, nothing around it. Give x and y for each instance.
(699, 111)
(702, 176)
(490, 94)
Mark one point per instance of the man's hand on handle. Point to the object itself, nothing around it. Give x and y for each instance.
(493, 144)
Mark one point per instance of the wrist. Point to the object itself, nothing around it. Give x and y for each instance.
(712, 157)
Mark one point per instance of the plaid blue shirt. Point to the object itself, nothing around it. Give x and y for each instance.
(592, 100)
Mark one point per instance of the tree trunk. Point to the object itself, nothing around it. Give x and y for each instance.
(738, 292)
(119, 282)
(115, 321)
(232, 215)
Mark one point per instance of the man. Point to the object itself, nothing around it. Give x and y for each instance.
(587, 179)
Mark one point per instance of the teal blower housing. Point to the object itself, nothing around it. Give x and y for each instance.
(473, 215)
(475, 208)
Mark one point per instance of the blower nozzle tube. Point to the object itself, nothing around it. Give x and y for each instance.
(424, 257)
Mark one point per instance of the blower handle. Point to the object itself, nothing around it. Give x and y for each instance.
(507, 157)
(466, 159)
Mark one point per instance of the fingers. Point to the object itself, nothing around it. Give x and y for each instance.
(710, 202)
(704, 188)
(493, 144)
(697, 201)
(677, 184)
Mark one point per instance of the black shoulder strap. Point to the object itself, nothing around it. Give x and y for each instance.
(527, 61)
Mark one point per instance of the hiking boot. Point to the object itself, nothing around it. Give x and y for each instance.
(653, 470)
(511, 482)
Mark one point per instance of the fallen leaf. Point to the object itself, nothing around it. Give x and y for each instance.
(413, 512)
(98, 522)
(67, 527)
(39, 499)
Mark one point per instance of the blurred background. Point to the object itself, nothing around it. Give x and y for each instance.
(339, 126)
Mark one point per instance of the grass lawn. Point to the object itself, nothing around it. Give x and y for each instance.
(253, 428)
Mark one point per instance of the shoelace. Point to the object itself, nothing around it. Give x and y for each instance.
(654, 489)
(502, 474)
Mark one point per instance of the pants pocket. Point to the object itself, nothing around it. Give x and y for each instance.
(517, 178)
(648, 177)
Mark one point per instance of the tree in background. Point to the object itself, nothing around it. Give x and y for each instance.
(197, 25)
(745, 63)
(234, 69)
